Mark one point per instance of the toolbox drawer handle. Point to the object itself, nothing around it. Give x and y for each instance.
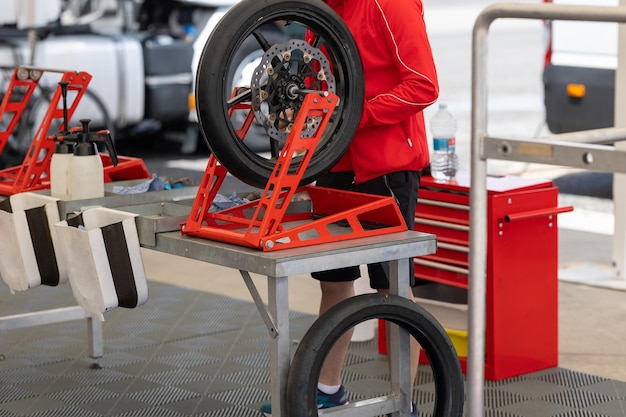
(445, 225)
(451, 247)
(444, 267)
(525, 215)
(437, 203)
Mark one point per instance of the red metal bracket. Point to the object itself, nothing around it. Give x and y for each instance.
(21, 88)
(267, 224)
(127, 168)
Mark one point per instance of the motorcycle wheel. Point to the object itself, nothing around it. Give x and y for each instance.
(327, 61)
(306, 365)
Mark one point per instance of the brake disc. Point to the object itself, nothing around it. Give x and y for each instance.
(287, 73)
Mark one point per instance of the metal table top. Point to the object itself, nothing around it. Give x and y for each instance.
(299, 260)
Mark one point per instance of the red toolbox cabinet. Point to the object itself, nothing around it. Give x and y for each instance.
(522, 264)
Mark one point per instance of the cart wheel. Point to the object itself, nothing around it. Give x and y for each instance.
(327, 61)
(319, 339)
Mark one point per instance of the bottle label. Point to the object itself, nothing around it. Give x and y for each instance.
(451, 143)
(440, 144)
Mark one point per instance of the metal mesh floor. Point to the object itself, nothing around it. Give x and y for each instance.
(188, 353)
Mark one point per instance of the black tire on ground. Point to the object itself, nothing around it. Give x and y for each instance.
(246, 20)
(319, 339)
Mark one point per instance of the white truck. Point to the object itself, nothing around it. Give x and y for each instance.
(579, 72)
(142, 55)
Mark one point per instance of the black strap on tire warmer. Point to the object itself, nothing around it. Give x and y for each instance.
(121, 267)
(43, 247)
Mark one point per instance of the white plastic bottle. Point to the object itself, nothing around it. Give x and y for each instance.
(86, 173)
(444, 160)
(59, 170)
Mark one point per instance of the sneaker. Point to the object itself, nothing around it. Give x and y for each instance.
(413, 411)
(323, 401)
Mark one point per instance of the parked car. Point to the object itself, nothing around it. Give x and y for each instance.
(579, 73)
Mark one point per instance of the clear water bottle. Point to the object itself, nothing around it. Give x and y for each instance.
(444, 161)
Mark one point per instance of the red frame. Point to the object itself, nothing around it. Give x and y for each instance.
(272, 227)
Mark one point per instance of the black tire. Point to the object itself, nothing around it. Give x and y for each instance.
(245, 21)
(319, 339)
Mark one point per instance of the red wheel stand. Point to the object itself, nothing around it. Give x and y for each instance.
(267, 225)
(34, 172)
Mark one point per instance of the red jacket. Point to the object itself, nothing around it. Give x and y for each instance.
(400, 82)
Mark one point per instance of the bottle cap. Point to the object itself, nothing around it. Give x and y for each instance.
(63, 147)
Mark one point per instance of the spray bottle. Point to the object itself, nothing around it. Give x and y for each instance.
(63, 154)
(86, 175)
(76, 170)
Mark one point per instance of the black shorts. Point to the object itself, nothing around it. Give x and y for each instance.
(403, 187)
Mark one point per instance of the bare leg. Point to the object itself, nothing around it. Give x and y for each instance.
(333, 293)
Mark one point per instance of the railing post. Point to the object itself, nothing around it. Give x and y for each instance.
(480, 152)
(618, 248)
(477, 280)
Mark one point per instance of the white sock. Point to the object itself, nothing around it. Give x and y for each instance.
(328, 389)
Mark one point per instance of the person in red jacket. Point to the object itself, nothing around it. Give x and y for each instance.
(390, 148)
(400, 82)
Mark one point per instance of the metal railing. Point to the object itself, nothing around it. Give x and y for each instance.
(587, 150)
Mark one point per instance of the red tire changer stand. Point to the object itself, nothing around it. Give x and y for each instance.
(272, 226)
(34, 171)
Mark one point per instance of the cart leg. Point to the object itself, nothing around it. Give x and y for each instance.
(96, 341)
(278, 303)
(399, 342)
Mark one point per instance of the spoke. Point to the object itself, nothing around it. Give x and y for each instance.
(265, 45)
(317, 41)
(274, 148)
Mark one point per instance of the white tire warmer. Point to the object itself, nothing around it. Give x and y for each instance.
(29, 248)
(103, 257)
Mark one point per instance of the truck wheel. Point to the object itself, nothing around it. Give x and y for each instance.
(296, 63)
(307, 361)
